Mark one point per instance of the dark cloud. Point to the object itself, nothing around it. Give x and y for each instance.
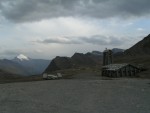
(94, 40)
(59, 41)
(33, 10)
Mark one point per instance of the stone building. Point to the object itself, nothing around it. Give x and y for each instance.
(116, 70)
(120, 70)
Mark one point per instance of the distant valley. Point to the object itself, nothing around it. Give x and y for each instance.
(23, 65)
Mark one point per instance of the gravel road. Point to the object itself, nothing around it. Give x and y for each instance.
(76, 96)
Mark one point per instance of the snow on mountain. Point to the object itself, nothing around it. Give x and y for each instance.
(22, 57)
(32, 66)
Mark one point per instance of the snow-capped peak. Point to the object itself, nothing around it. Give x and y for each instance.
(22, 57)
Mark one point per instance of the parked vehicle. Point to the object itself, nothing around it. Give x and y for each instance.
(51, 77)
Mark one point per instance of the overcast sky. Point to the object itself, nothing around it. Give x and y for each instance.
(48, 28)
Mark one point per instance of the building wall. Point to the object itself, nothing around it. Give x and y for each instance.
(127, 71)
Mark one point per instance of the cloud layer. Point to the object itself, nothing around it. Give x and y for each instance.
(34, 10)
(48, 28)
(93, 40)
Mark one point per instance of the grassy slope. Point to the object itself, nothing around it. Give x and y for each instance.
(10, 79)
(6, 77)
(69, 73)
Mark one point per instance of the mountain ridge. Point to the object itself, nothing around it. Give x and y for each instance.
(140, 48)
(24, 66)
(77, 60)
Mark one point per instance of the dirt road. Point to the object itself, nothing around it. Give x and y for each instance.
(76, 96)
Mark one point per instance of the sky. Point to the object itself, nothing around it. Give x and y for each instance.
(43, 29)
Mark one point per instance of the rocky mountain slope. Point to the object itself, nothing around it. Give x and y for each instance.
(139, 54)
(77, 60)
(140, 48)
(59, 63)
(12, 67)
(117, 50)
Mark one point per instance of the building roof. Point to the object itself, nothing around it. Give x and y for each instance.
(113, 67)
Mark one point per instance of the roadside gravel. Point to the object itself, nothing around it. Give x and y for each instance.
(76, 96)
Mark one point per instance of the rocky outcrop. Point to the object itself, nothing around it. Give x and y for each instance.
(82, 60)
(77, 60)
(59, 63)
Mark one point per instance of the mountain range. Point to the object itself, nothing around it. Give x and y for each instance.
(77, 60)
(95, 57)
(23, 65)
